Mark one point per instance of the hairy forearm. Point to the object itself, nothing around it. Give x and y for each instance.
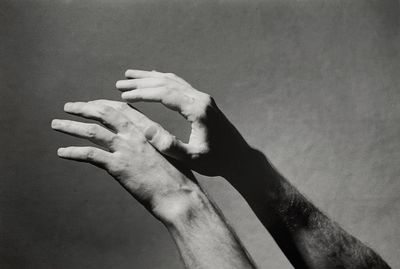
(203, 237)
(308, 238)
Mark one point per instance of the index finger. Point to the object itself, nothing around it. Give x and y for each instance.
(107, 115)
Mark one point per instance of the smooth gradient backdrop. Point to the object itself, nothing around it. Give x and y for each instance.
(313, 84)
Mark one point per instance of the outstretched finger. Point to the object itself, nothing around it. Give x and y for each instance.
(130, 84)
(100, 112)
(134, 73)
(91, 155)
(93, 132)
(174, 100)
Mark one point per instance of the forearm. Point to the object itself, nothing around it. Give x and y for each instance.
(307, 237)
(168, 190)
(202, 236)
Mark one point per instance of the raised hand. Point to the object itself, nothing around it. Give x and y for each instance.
(215, 147)
(203, 238)
(126, 155)
(307, 237)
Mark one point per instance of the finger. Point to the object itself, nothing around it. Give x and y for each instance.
(139, 120)
(93, 132)
(91, 155)
(172, 99)
(167, 143)
(130, 84)
(134, 73)
(155, 134)
(102, 113)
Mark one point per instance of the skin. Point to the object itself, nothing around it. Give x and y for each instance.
(308, 238)
(169, 191)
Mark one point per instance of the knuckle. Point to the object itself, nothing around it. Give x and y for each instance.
(118, 164)
(122, 106)
(92, 131)
(140, 139)
(90, 154)
(152, 131)
(166, 142)
(169, 142)
(207, 99)
(114, 166)
(106, 110)
(170, 75)
(125, 124)
(115, 140)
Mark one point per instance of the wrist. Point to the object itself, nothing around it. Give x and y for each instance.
(248, 163)
(181, 205)
(238, 161)
(255, 177)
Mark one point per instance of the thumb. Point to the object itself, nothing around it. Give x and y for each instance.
(167, 143)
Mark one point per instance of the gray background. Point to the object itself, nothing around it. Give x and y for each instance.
(314, 84)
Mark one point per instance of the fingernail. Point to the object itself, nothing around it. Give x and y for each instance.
(67, 106)
(55, 123)
(60, 151)
(124, 95)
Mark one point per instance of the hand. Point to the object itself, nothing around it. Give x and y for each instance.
(127, 156)
(215, 147)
